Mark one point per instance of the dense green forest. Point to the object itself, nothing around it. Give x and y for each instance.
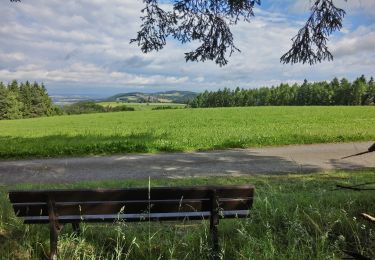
(336, 92)
(25, 100)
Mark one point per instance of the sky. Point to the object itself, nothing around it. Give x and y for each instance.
(81, 47)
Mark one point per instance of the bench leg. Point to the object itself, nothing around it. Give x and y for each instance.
(214, 223)
(54, 234)
(76, 229)
(54, 228)
(215, 239)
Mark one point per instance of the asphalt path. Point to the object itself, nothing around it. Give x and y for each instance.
(233, 162)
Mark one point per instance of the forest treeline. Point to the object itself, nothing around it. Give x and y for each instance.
(336, 92)
(25, 100)
(28, 100)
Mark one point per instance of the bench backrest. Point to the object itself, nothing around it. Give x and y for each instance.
(132, 204)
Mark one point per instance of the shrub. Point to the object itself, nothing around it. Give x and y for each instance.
(83, 107)
(163, 107)
(122, 108)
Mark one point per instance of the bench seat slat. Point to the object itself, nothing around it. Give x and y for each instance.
(138, 217)
(105, 207)
(105, 202)
(120, 201)
(71, 195)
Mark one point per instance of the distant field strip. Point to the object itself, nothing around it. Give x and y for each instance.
(183, 130)
(141, 106)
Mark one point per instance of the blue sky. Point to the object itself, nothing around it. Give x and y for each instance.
(82, 47)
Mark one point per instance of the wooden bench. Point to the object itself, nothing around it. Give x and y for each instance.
(59, 207)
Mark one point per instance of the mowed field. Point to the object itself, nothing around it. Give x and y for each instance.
(183, 130)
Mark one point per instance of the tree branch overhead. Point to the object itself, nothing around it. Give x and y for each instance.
(209, 23)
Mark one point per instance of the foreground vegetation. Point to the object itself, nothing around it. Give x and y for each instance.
(183, 130)
(293, 217)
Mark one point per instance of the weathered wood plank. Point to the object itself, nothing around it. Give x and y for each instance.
(139, 217)
(89, 208)
(74, 195)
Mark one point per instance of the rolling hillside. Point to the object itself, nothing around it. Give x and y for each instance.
(172, 96)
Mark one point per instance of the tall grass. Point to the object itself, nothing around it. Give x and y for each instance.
(183, 130)
(293, 217)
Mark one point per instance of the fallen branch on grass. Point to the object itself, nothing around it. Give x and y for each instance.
(368, 217)
(355, 187)
(356, 255)
(369, 150)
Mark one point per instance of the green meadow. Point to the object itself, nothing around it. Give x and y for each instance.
(183, 130)
(293, 217)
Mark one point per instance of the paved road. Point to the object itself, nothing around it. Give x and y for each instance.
(234, 162)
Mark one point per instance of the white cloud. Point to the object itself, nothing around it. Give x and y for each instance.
(86, 43)
(362, 40)
(350, 6)
(12, 56)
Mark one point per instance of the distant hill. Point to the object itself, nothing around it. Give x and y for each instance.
(68, 100)
(172, 96)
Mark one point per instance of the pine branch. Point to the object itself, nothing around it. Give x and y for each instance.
(310, 43)
(369, 150)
